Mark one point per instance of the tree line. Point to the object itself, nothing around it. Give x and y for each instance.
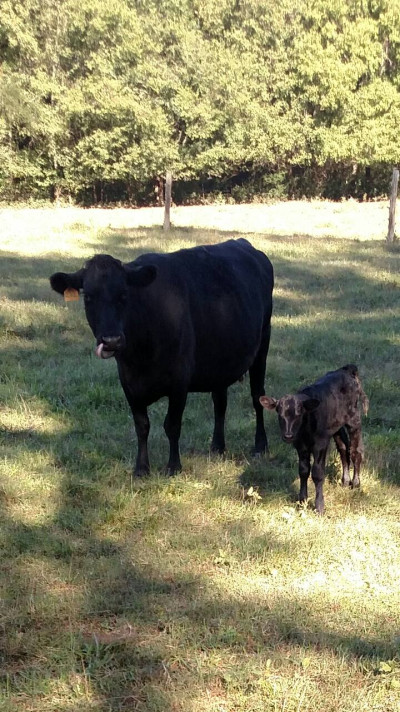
(244, 99)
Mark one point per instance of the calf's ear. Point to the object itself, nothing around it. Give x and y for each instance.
(311, 404)
(60, 281)
(141, 276)
(268, 402)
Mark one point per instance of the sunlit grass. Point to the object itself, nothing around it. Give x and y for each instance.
(212, 591)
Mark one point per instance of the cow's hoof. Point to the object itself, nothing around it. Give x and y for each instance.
(215, 450)
(217, 446)
(141, 472)
(172, 471)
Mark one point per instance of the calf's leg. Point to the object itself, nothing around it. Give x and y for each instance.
(304, 471)
(318, 474)
(356, 454)
(341, 439)
(220, 399)
(172, 427)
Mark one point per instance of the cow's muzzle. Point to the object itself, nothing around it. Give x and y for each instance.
(109, 346)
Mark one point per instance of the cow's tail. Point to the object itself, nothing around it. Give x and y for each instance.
(352, 369)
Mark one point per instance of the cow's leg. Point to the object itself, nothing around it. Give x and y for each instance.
(142, 424)
(356, 453)
(343, 447)
(304, 471)
(257, 379)
(220, 399)
(318, 474)
(172, 427)
(142, 427)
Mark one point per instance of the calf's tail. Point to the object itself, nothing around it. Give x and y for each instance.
(362, 396)
(363, 399)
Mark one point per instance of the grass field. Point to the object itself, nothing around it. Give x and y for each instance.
(195, 593)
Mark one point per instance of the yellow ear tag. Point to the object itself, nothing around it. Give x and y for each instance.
(71, 295)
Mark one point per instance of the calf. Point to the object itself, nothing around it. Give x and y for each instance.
(192, 320)
(309, 418)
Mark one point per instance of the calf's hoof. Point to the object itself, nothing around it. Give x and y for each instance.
(319, 508)
(257, 452)
(260, 448)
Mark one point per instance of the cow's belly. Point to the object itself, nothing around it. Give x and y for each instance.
(148, 384)
(209, 359)
(206, 385)
(219, 373)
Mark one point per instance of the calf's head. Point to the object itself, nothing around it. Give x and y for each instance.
(291, 410)
(105, 283)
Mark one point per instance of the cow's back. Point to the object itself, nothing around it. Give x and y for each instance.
(212, 305)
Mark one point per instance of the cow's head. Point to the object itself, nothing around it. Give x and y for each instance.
(291, 410)
(105, 284)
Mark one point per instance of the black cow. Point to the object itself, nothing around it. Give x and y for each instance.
(192, 320)
(328, 408)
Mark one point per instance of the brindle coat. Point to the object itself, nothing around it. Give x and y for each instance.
(309, 418)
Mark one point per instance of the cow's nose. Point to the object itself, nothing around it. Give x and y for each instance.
(112, 342)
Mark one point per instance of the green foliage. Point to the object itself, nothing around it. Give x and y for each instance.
(100, 99)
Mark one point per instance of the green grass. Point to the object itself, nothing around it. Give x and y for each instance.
(187, 594)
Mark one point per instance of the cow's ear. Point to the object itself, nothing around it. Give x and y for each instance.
(141, 276)
(268, 402)
(60, 281)
(311, 404)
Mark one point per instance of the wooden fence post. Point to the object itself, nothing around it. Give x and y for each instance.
(392, 206)
(167, 206)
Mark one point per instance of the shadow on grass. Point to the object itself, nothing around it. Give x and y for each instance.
(91, 615)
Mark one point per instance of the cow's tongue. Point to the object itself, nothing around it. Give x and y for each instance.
(101, 353)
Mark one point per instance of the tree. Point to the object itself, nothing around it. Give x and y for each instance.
(97, 101)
